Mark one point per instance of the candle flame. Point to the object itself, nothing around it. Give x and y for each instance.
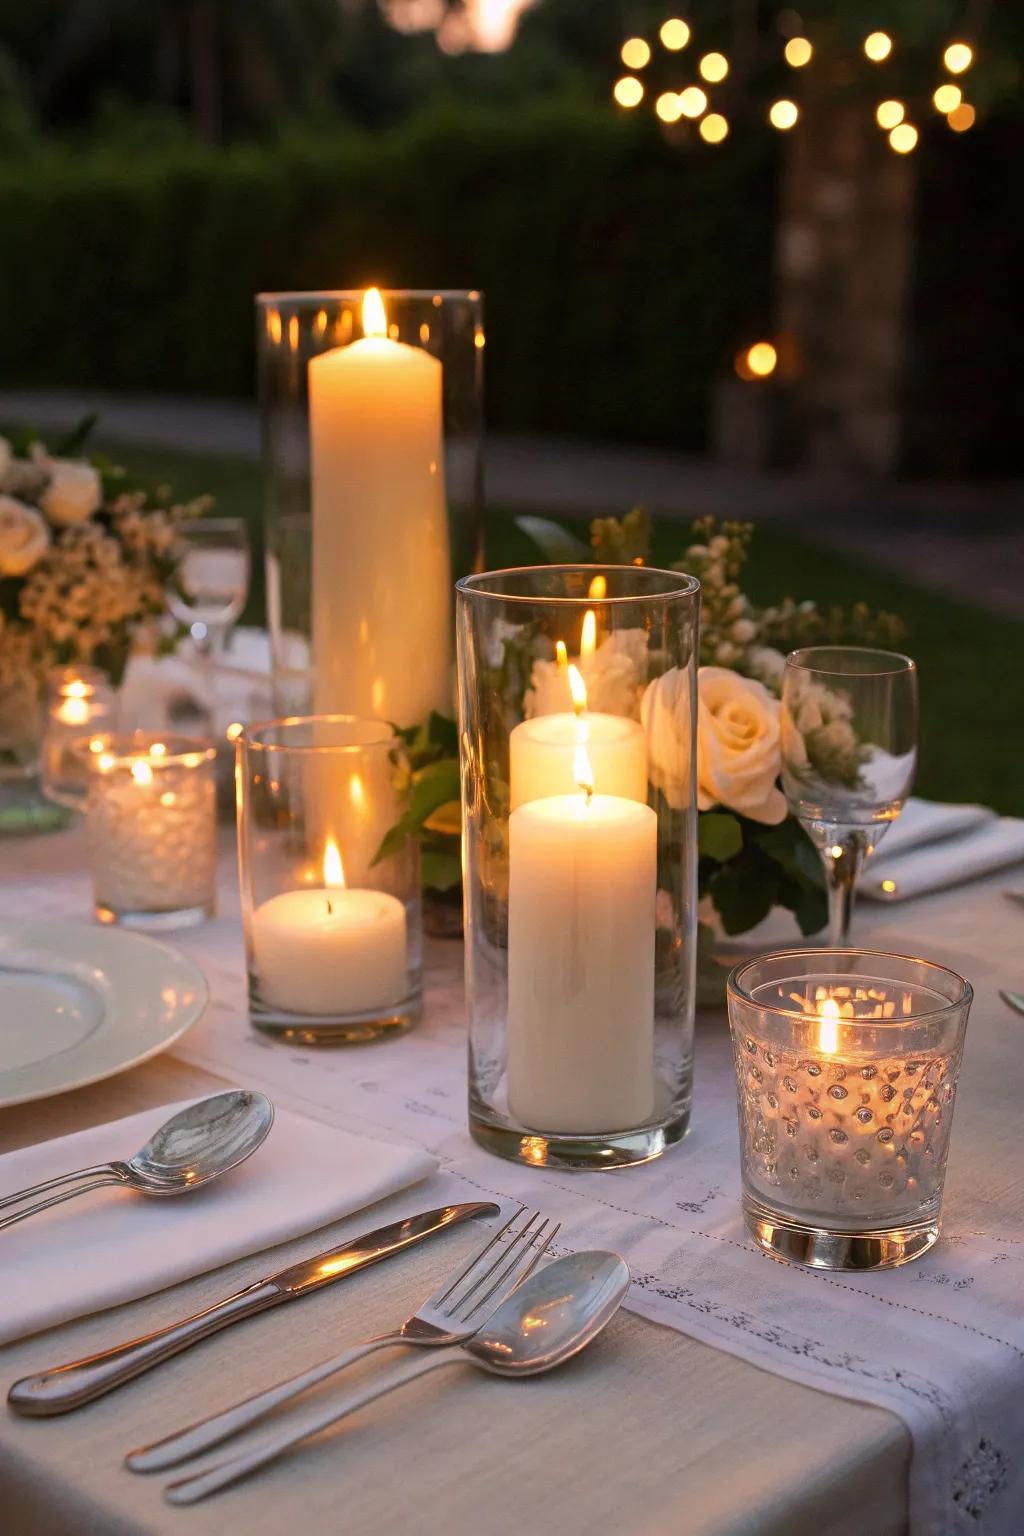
(582, 771)
(334, 870)
(561, 655)
(73, 711)
(828, 1026)
(598, 588)
(78, 690)
(142, 773)
(578, 689)
(588, 636)
(375, 321)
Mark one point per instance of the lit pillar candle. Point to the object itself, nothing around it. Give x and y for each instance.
(381, 567)
(331, 950)
(581, 930)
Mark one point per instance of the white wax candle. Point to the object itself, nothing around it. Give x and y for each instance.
(542, 754)
(330, 951)
(381, 566)
(581, 928)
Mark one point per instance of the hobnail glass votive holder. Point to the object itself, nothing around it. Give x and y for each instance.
(577, 692)
(150, 820)
(846, 1072)
(78, 699)
(330, 884)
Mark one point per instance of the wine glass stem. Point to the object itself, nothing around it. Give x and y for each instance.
(843, 859)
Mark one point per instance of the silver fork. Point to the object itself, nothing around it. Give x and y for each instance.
(453, 1313)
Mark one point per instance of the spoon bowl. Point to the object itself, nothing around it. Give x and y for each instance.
(552, 1316)
(201, 1142)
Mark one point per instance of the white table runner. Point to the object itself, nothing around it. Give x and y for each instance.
(940, 1342)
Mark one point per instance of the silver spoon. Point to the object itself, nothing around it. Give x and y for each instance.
(196, 1145)
(551, 1317)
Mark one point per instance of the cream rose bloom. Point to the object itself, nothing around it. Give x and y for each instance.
(24, 537)
(738, 751)
(74, 492)
(668, 728)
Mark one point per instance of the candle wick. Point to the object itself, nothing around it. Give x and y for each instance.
(588, 790)
(330, 909)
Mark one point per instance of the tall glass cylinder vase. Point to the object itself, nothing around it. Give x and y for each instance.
(577, 701)
(371, 406)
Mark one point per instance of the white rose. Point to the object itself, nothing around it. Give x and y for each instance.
(24, 537)
(668, 727)
(611, 673)
(74, 492)
(768, 665)
(738, 754)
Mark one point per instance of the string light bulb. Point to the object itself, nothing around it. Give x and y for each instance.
(962, 117)
(628, 91)
(713, 67)
(635, 53)
(903, 138)
(889, 113)
(692, 101)
(668, 107)
(783, 114)
(714, 128)
(674, 34)
(947, 98)
(798, 52)
(958, 57)
(878, 46)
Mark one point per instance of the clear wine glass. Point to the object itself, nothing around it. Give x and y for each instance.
(849, 751)
(211, 582)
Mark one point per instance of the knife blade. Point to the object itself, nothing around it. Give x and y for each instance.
(1014, 1000)
(64, 1387)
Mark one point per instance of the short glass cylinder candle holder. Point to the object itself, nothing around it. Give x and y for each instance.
(78, 699)
(330, 884)
(372, 409)
(846, 1071)
(577, 693)
(150, 819)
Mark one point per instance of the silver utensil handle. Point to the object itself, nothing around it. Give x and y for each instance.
(101, 1181)
(190, 1490)
(70, 1386)
(206, 1433)
(62, 1179)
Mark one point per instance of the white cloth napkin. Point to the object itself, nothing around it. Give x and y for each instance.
(929, 821)
(112, 1246)
(994, 844)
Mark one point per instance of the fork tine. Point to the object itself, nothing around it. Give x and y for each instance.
(472, 1263)
(538, 1253)
(503, 1253)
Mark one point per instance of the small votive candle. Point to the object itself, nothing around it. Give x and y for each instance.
(846, 1069)
(78, 699)
(150, 813)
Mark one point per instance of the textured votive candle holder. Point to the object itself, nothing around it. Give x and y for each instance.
(150, 816)
(78, 699)
(846, 1071)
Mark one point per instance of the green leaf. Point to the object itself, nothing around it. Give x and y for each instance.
(741, 901)
(432, 787)
(443, 734)
(719, 836)
(441, 871)
(393, 841)
(555, 542)
(68, 446)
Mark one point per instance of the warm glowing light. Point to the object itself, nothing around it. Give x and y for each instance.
(106, 762)
(96, 745)
(582, 771)
(783, 114)
(674, 34)
(692, 101)
(668, 107)
(375, 321)
(878, 46)
(635, 53)
(293, 333)
(888, 886)
(958, 57)
(479, 339)
(234, 730)
(713, 67)
(828, 1026)
(628, 91)
(334, 870)
(274, 328)
(598, 588)
(561, 655)
(836, 850)
(947, 98)
(142, 773)
(798, 52)
(73, 710)
(357, 793)
(578, 689)
(762, 359)
(903, 138)
(78, 690)
(588, 634)
(889, 113)
(962, 118)
(158, 749)
(714, 128)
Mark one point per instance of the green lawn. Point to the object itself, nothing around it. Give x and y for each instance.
(972, 726)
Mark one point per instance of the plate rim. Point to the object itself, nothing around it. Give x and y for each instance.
(193, 1013)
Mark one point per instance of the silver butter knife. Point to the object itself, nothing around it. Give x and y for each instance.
(64, 1387)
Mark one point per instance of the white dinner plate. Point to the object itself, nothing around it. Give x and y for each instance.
(79, 1003)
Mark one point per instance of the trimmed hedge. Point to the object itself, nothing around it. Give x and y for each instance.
(619, 275)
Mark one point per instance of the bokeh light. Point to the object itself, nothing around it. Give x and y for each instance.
(674, 34)
(668, 108)
(958, 57)
(714, 67)
(889, 113)
(783, 114)
(798, 52)
(635, 53)
(758, 361)
(713, 128)
(878, 46)
(947, 98)
(628, 91)
(692, 101)
(962, 117)
(903, 138)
